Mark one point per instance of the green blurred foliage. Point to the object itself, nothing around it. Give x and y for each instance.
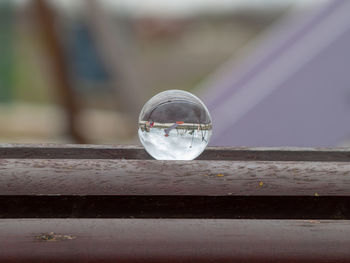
(6, 51)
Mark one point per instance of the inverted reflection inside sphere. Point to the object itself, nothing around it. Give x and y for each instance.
(174, 125)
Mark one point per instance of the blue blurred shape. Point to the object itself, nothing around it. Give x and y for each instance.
(85, 59)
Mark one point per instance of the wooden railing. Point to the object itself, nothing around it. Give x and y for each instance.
(75, 203)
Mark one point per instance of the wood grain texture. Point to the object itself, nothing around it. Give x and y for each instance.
(152, 177)
(173, 240)
(120, 182)
(78, 151)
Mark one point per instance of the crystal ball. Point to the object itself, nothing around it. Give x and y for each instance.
(174, 125)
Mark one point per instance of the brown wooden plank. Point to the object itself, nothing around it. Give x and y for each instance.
(173, 240)
(152, 177)
(56, 151)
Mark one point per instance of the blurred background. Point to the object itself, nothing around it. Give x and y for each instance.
(272, 72)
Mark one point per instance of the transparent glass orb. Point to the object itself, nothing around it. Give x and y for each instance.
(174, 125)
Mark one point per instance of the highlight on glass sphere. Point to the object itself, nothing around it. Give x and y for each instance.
(174, 125)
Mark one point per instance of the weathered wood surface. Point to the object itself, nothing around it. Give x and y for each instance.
(173, 240)
(120, 183)
(153, 177)
(76, 151)
(50, 169)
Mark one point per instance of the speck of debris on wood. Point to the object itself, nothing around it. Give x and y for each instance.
(54, 237)
(313, 221)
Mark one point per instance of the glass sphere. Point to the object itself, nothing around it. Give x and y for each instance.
(174, 125)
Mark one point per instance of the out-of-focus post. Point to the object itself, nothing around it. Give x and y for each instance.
(55, 51)
(128, 80)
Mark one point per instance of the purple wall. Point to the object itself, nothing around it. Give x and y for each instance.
(297, 93)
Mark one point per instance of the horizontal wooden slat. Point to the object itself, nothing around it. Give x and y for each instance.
(56, 151)
(172, 240)
(152, 177)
